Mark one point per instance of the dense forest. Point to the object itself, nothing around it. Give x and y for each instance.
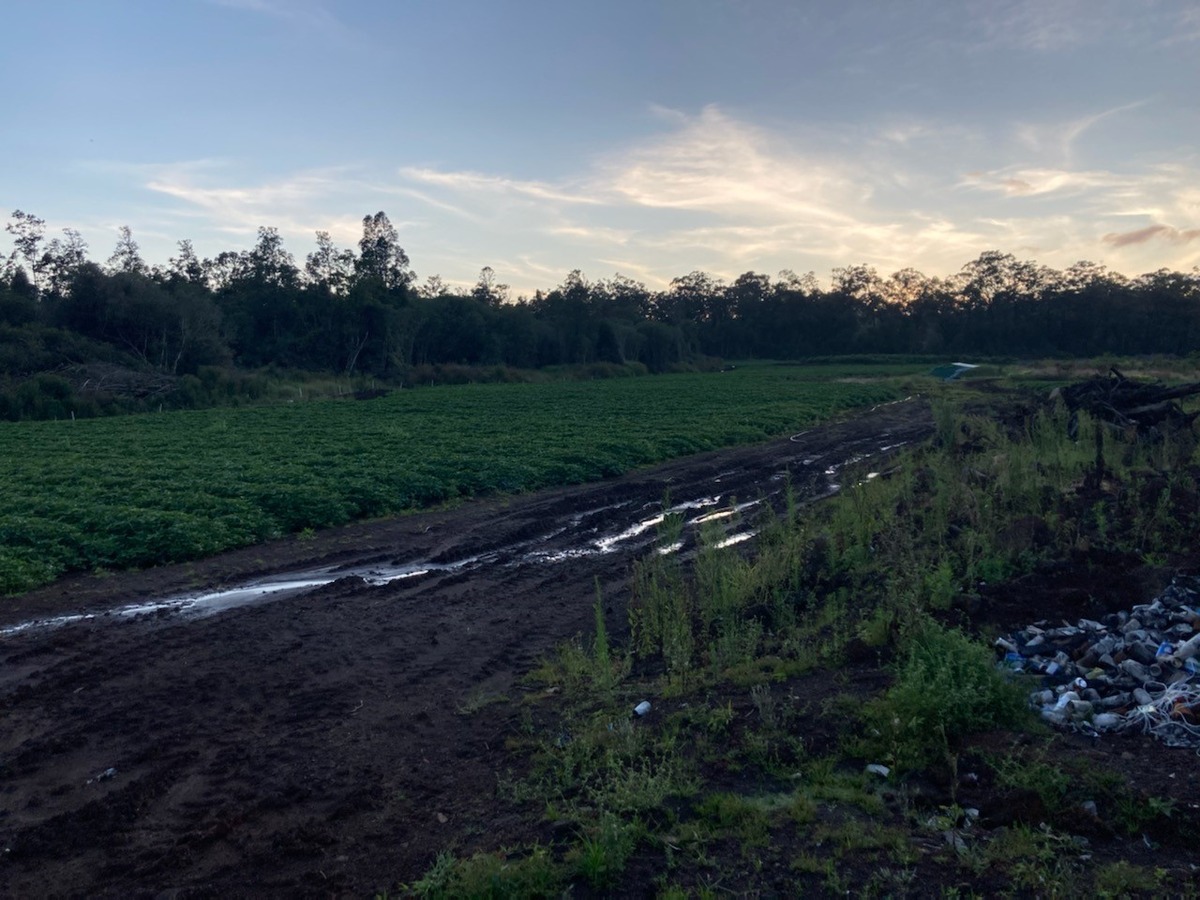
(76, 335)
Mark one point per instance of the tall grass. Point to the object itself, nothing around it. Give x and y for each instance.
(983, 500)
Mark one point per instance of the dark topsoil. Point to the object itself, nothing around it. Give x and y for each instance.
(317, 744)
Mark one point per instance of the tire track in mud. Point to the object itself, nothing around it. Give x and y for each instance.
(312, 743)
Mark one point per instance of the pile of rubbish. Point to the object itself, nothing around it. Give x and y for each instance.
(1131, 671)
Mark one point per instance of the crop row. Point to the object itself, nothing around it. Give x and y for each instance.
(141, 490)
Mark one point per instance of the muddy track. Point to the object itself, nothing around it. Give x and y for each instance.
(163, 735)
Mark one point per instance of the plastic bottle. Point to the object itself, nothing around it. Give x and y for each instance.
(1107, 721)
(1188, 649)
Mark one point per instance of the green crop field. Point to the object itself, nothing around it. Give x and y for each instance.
(140, 490)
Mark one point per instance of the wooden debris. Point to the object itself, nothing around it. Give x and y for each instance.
(118, 381)
(1144, 405)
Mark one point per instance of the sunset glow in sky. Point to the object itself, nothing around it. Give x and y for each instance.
(632, 136)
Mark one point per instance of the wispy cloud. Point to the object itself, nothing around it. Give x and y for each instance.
(598, 234)
(715, 163)
(295, 204)
(1061, 213)
(305, 13)
(710, 190)
(1043, 26)
(1097, 196)
(427, 199)
(1186, 27)
(713, 191)
(904, 133)
(473, 182)
(655, 277)
(707, 163)
(1058, 139)
(1152, 233)
(1042, 182)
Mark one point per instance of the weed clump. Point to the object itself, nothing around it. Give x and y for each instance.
(492, 875)
(947, 687)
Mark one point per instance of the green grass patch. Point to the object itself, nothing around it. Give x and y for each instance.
(494, 876)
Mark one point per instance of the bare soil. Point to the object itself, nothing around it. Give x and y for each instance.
(332, 742)
(314, 744)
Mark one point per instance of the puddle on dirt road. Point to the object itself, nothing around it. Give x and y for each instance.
(854, 460)
(635, 532)
(595, 531)
(724, 513)
(736, 539)
(199, 605)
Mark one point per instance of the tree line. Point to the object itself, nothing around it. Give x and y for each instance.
(360, 311)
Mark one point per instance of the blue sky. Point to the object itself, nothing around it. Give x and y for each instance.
(646, 138)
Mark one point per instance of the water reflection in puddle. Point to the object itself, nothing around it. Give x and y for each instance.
(590, 522)
(607, 544)
(610, 543)
(723, 514)
(218, 601)
(212, 602)
(735, 539)
(833, 470)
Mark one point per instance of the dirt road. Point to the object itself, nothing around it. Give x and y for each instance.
(170, 738)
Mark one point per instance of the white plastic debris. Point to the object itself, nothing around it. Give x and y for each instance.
(1133, 670)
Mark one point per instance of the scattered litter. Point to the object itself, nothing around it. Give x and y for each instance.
(108, 773)
(954, 839)
(1134, 671)
(878, 769)
(642, 708)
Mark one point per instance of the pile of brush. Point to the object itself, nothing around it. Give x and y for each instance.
(1148, 406)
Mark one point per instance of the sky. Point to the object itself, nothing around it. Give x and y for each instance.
(649, 138)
